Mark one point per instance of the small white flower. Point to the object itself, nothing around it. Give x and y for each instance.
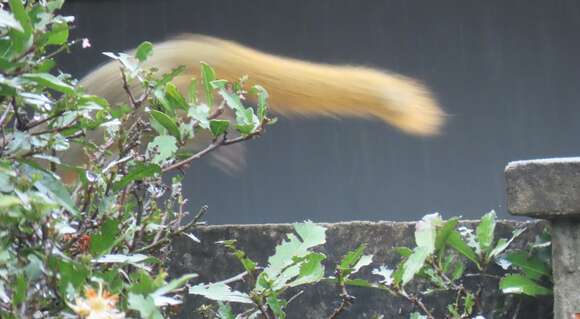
(86, 43)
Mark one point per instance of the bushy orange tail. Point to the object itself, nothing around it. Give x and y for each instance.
(295, 87)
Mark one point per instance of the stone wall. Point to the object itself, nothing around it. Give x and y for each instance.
(213, 263)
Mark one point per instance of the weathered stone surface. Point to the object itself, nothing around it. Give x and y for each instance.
(566, 268)
(213, 263)
(545, 188)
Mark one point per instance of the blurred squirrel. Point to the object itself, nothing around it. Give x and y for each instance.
(295, 87)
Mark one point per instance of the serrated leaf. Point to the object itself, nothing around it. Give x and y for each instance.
(218, 127)
(167, 122)
(386, 273)
(518, 284)
(164, 148)
(485, 231)
(207, 76)
(138, 172)
(144, 51)
(311, 235)
(49, 81)
(220, 292)
(200, 113)
(311, 270)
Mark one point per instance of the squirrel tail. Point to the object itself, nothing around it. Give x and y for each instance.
(295, 87)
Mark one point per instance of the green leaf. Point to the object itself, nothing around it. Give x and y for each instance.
(311, 270)
(352, 257)
(174, 97)
(518, 284)
(172, 285)
(145, 305)
(7, 201)
(167, 122)
(207, 76)
(262, 98)
(218, 127)
(444, 232)
(168, 77)
(458, 271)
(426, 231)
(454, 240)
(359, 283)
(103, 241)
(49, 81)
(414, 263)
(192, 92)
(19, 12)
(311, 234)
(58, 35)
(220, 292)
(232, 100)
(416, 315)
(247, 121)
(485, 231)
(503, 244)
(138, 172)
(200, 113)
(403, 251)
(7, 20)
(20, 289)
(531, 265)
(277, 306)
(225, 311)
(164, 148)
(50, 185)
(144, 51)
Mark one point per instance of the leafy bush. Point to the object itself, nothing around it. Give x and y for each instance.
(95, 246)
(102, 238)
(451, 262)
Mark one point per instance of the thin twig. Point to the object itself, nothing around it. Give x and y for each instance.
(175, 233)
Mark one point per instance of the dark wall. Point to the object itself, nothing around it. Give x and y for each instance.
(507, 72)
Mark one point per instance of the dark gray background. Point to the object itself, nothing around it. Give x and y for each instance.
(507, 72)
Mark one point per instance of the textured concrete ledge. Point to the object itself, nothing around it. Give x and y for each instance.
(213, 263)
(544, 188)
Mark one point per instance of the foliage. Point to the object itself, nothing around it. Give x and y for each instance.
(449, 259)
(102, 237)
